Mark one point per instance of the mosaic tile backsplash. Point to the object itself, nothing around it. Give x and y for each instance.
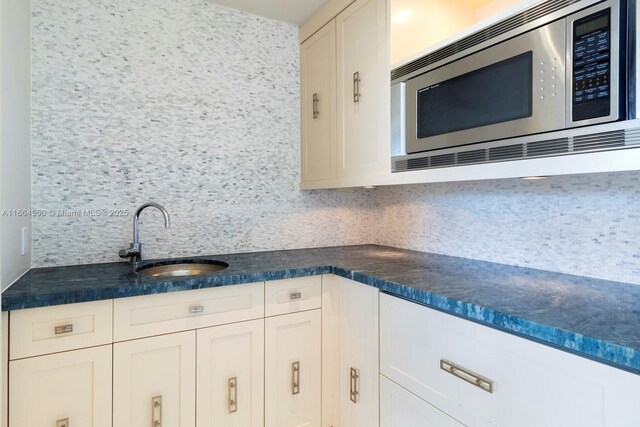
(585, 224)
(183, 102)
(196, 106)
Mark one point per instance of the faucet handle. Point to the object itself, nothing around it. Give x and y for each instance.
(132, 252)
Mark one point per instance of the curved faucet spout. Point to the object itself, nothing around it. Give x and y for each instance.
(135, 250)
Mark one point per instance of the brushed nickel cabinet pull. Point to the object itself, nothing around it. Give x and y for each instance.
(356, 87)
(295, 295)
(233, 395)
(196, 309)
(63, 423)
(465, 374)
(316, 101)
(156, 411)
(64, 329)
(295, 378)
(354, 385)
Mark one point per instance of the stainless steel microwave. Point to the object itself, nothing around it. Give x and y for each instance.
(556, 66)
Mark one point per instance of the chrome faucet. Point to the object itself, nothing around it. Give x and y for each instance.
(134, 252)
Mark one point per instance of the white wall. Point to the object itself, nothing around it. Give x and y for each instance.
(15, 138)
(418, 24)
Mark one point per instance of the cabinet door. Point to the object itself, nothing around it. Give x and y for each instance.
(318, 108)
(400, 408)
(293, 370)
(363, 89)
(349, 353)
(71, 389)
(230, 385)
(154, 381)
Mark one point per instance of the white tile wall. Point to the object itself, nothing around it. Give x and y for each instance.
(197, 107)
(587, 225)
(183, 102)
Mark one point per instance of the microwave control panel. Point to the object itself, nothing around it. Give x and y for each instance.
(592, 66)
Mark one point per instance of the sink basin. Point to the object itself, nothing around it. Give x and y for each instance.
(181, 268)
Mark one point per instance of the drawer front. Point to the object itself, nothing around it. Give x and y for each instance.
(292, 295)
(150, 315)
(401, 408)
(481, 376)
(59, 328)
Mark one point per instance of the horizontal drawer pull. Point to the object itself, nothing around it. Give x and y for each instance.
(467, 375)
(196, 309)
(64, 329)
(295, 295)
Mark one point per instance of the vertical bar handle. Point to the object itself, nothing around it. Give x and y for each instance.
(233, 395)
(156, 411)
(356, 87)
(316, 101)
(354, 385)
(63, 422)
(295, 378)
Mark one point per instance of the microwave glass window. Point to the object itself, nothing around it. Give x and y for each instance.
(498, 93)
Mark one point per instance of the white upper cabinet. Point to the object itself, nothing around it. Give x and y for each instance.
(318, 105)
(363, 85)
(345, 96)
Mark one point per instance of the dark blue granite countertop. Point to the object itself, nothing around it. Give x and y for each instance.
(593, 318)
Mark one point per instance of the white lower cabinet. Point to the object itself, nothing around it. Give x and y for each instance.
(350, 353)
(70, 389)
(484, 377)
(293, 370)
(230, 383)
(401, 408)
(154, 381)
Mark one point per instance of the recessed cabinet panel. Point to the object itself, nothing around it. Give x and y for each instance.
(363, 87)
(154, 380)
(149, 315)
(230, 384)
(318, 108)
(349, 353)
(72, 387)
(293, 370)
(58, 328)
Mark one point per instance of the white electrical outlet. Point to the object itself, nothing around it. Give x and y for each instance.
(26, 241)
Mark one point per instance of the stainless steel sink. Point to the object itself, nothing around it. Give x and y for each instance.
(181, 268)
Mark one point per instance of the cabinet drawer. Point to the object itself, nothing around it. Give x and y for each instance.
(59, 328)
(158, 314)
(401, 408)
(532, 384)
(292, 295)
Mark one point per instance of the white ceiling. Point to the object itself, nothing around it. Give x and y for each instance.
(293, 11)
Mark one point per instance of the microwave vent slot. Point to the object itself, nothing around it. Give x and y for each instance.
(419, 163)
(473, 156)
(482, 36)
(443, 160)
(506, 152)
(400, 165)
(545, 148)
(599, 141)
